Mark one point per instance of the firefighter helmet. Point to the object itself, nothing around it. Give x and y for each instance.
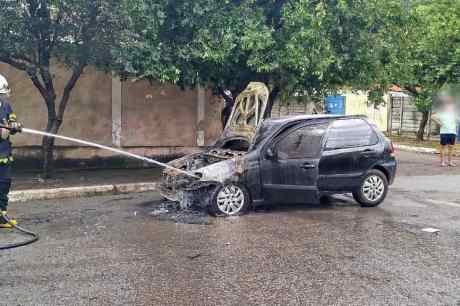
(4, 88)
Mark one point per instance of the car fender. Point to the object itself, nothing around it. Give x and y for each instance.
(221, 172)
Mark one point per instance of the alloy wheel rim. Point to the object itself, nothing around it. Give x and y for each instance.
(230, 200)
(373, 188)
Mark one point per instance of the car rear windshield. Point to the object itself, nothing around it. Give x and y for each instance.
(346, 133)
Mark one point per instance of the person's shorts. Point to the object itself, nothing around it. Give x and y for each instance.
(448, 139)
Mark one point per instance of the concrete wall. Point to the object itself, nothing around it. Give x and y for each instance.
(88, 114)
(151, 119)
(154, 115)
(357, 104)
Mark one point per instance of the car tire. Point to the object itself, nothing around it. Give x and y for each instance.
(229, 200)
(373, 189)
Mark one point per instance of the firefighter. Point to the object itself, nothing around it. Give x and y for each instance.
(7, 119)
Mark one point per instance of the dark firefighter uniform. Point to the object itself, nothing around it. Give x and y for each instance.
(7, 117)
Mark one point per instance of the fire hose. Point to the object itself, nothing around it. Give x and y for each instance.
(34, 236)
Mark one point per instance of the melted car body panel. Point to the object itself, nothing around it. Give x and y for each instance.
(224, 162)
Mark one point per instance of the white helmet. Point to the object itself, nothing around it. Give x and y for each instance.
(4, 88)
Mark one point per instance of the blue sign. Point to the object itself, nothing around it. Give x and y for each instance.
(335, 105)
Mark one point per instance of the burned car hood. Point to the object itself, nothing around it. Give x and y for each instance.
(211, 167)
(247, 113)
(225, 160)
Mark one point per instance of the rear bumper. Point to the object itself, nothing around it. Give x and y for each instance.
(391, 166)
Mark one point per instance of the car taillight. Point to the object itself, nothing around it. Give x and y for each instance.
(392, 148)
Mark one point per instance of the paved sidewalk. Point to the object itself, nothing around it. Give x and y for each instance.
(75, 178)
(428, 147)
(29, 186)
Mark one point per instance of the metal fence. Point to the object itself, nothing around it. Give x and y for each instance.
(294, 108)
(404, 119)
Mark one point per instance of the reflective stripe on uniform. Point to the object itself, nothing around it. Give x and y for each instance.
(6, 160)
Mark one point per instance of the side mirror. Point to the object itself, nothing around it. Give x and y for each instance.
(271, 153)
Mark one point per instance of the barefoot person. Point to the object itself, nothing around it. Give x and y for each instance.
(447, 117)
(7, 118)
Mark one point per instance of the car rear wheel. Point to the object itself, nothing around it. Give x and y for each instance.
(373, 189)
(230, 200)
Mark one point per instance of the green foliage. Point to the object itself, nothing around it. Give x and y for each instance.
(73, 31)
(428, 50)
(423, 101)
(375, 96)
(309, 46)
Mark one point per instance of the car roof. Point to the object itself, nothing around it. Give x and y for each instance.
(271, 126)
(289, 119)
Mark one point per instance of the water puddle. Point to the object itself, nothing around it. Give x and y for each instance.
(172, 212)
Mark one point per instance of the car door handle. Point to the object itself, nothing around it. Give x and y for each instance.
(308, 166)
(368, 152)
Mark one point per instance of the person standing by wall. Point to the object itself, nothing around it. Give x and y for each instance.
(228, 106)
(7, 119)
(447, 117)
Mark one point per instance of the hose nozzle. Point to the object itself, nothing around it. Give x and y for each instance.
(13, 127)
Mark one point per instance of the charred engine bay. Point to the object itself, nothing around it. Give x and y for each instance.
(224, 162)
(210, 166)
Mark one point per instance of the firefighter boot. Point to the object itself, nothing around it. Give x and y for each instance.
(6, 222)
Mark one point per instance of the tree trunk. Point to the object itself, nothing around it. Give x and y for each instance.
(48, 148)
(271, 100)
(422, 126)
(47, 153)
(55, 120)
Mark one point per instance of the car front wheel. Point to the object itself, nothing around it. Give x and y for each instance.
(373, 189)
(230, 200)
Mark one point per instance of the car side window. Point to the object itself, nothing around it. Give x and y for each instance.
(348, 133)
(304, 142)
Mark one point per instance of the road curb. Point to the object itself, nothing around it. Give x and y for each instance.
(415, 149)
(76, 192)
(419, 149)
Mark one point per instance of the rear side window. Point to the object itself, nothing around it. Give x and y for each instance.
(350, 133)
(304, 142)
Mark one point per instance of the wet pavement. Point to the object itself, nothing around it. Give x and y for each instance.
(137, 250)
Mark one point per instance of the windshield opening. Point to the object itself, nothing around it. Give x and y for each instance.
(236, 145)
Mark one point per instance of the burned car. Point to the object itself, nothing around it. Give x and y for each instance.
(293, 159)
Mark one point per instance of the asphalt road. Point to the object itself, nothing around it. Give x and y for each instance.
(120, 250)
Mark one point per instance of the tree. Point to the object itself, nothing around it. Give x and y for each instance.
(428, 52)
(76, 33)
(311, 46)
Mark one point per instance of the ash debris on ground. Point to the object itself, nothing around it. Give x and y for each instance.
(172, 211)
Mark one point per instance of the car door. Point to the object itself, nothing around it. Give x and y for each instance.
(289, 166)
(349, 146)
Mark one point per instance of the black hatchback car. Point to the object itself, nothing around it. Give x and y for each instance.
(298, 159)
(284, 160)
(294, 160)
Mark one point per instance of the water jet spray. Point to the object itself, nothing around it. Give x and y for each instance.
(115, 150)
